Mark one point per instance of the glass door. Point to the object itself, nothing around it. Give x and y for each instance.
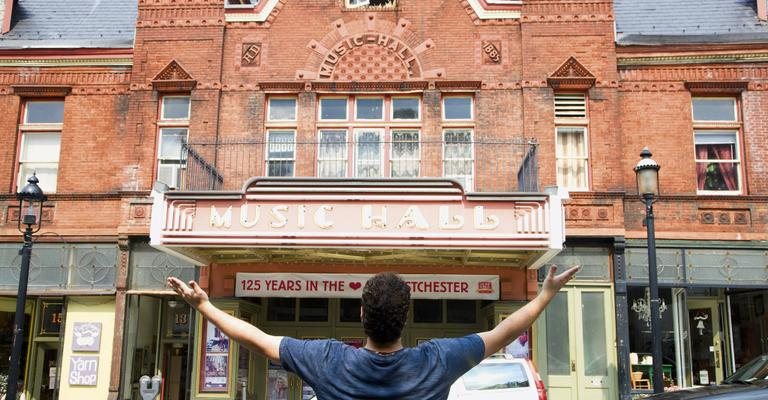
(577, 354)
(706, 341)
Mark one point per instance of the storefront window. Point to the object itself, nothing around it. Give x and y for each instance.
(640, 335)
(313, 310)
(349, 310)
(279, 309)
(461, 312)
(427, 311)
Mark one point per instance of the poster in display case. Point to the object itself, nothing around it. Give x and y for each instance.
(215, 370)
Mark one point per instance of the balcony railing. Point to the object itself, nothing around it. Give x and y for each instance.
(481, 166)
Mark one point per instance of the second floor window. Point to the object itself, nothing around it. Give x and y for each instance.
(459, 156)
(40, 130)
(174, 130)
(716, 130)
(571, 150)
(281, 152)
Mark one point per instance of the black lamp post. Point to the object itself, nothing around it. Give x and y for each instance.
(31, 199)
(647, 172)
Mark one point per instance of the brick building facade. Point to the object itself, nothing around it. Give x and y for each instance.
(149, 104)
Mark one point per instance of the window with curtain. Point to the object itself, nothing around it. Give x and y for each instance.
(281, 151)
(368, 154)
(572, 160)
(332, 154)
(458, 156)
(717, 161)
(406, 156)
(716, 144)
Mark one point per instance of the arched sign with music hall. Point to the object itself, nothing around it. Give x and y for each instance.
(356, 214)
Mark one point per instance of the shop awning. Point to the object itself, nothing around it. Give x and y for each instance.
(359, 221)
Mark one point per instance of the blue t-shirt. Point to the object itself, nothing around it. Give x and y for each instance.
(337, 371)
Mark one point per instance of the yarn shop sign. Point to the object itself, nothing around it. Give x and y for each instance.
(423, 286)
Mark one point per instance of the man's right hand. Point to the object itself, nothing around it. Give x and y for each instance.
(192, 293)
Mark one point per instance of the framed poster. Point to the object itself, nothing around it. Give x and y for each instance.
(214, 374)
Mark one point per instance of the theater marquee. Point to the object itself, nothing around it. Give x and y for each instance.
(354, 215)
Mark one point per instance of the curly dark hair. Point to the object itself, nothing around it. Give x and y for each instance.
(385, 307)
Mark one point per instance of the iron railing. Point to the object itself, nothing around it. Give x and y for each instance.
(482, 166)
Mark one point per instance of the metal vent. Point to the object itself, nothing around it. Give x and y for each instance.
(570, 105)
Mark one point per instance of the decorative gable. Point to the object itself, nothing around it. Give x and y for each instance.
(571, 75)
(173, 78)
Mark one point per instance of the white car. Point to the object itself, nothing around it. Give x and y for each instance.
(500, 377)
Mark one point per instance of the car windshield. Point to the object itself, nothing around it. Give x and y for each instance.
(496, 376)
(755, 370)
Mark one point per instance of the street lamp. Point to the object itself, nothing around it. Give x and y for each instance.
(647, 172)
(31, 199)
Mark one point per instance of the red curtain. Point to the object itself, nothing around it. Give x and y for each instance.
(727, 169)
(701, 167)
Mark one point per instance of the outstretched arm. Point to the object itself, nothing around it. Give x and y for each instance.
(237, 329)
(514, 325)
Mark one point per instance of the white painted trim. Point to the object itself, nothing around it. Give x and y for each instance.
(248, 17)
(482, 13)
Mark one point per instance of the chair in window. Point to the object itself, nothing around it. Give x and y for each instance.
(638, 382)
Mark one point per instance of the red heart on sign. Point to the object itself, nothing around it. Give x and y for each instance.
(355, 285)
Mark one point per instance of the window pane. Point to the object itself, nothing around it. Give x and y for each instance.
(280, 309)
(714, 109)
(405, 154)
(171, 140)
(45, 112)
(282, 109)
(281, 145)
(593, 316)
(313, 310)
(428, 311)
(368, 154)
(717, 166)
(41, 147)
(332, 154)
(572, 162)
(405, 108)
(570, 142)
(349, 310)
(333, 108)
(461, 312)
(47, 175)
(558, 349)
(370, 108)
(458, 107)
(176, 107)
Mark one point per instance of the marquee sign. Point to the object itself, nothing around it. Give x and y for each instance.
(467, 287)
(355, 214)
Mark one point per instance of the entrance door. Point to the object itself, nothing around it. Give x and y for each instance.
(577, 353)
(174, 370)
(45, 372)
(706, 341)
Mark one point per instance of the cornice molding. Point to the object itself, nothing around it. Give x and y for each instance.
(67, 62)
(403, 86)
(693, 59)
(41, 90)
(717, 86)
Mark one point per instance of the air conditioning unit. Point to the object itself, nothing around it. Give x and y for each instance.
(240, 3)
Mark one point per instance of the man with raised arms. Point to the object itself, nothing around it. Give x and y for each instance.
(383, 369)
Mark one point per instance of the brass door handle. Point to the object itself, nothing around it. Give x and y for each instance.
(573, 366)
